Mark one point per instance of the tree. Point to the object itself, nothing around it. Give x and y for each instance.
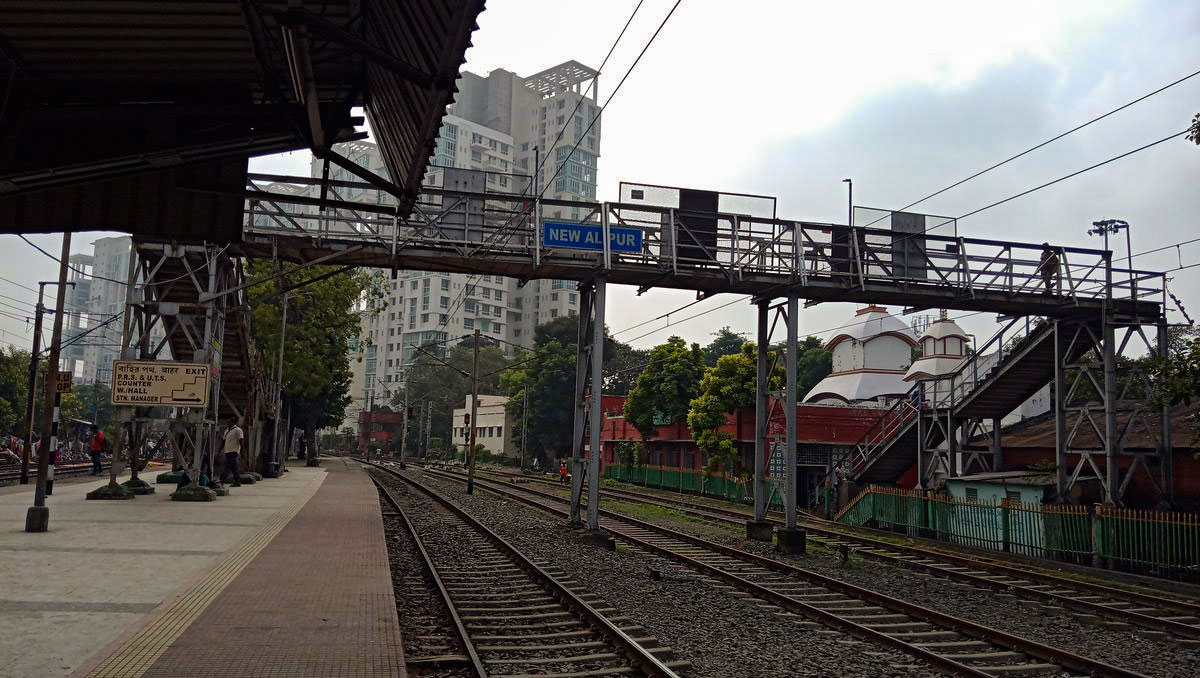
(813, 364)
(725, 342)
(666, 386)
(322, 320)
(729, 385)
(545, 379)
(622, 362)
(1176, 377)
(14, 375)
(430, 380)
(1194, 133)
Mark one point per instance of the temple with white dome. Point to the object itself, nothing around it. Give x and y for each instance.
(869, 361)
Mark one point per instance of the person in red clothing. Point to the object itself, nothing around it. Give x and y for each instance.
(98, 444)
(562, 473)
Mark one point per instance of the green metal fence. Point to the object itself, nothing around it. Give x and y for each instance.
(1156, 543)
(686, 480)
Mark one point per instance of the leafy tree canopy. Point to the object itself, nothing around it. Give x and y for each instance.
(666, 386)
(545, 380)
(429, 380)
(725, 342)
(730, 385)
(323, 318)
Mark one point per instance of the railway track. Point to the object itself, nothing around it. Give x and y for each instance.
(506, 615)
(13, 475)
(950, 644)
(1180, 618)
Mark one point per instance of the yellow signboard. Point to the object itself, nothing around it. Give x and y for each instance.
(159, 382)
(62, 383)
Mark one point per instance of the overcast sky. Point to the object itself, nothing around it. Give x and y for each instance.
(789, 98)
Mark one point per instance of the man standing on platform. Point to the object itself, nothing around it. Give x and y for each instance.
(97, 450)
(233, 446)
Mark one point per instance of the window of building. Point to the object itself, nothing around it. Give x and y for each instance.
(476, 138)
(554, 313)
(491, 178)
(561, 103)
(972, 494)
(468, 323)
(469, 307)
(516, 333)
(424, 303)
(497, 311)
(442, 319)
(424, 318)
(499, 295)
(503, 180)
(525, 147)
(391, 317)
(1013, 496)
(391, 331)
(470, 290)
(444, 302)
(476, 156)
(571, 297)
(487, 292)
(554, 296)
(445, 283)
(496, 327)
(412, 285)
(559, 121)
(412, 321)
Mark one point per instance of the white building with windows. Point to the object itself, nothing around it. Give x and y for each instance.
(869, 361)
(493, 425)
(498, 127)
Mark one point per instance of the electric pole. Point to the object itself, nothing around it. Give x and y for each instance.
(474, 419)
(524, 422)
(27, 452)
(404, 428)
(37, 518)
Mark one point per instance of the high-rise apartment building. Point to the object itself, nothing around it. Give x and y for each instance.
(494, 137)
(92, 324)
(534, 110)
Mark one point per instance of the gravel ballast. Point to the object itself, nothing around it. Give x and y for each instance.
(719, 632)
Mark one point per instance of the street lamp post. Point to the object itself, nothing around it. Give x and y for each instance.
(1114, 226)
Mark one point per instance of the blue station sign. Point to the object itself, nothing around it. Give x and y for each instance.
(590, 237)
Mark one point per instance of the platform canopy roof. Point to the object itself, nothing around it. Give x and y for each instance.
(139, 115)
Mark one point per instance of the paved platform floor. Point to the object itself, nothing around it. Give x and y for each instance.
(155, 587)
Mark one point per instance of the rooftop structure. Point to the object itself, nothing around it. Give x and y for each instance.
(869, 358)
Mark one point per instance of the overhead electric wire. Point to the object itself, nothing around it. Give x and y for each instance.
(1047, 142)
(537, 170)
(1076, 173)
(13, 282)
(93, 276)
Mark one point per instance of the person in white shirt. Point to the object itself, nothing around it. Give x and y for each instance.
(233, 447)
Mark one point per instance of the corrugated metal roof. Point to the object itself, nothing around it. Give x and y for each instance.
(135, 79)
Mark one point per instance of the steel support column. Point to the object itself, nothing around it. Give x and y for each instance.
(586, 303)
(1059, 397)
(597, 409)
(1165, 449)
(761, 404)
(793, 321)
(1112, 446)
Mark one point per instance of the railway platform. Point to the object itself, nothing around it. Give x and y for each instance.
(286, 577)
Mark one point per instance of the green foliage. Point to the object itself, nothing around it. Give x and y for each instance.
(667, 385)
(1194, 133)
(547, 375)
(429, 380)
(725, 342)
(622, 362)
(1176, 377)
(323, 318)
(813, 364)
(729, 385)
(631, 454)
(14, 375)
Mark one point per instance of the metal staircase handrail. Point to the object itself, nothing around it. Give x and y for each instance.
(896, 418)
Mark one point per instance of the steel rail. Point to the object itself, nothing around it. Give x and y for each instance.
(963, 626)
(873, 546)
(639, 657)
(459, 628)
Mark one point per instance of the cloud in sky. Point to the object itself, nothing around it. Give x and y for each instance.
(787, 98)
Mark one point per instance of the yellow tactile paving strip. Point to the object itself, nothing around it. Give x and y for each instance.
(140, 652)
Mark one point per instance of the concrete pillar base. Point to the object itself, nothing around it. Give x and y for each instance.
(759, 530)
(37, 519)
(169, 478)
(110, 491)
(138, 486)
(598, 538)
(791, 541)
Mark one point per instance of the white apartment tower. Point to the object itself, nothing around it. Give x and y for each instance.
(501, 126)
(534, 110)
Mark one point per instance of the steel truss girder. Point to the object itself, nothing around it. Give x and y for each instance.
(1077, 416)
